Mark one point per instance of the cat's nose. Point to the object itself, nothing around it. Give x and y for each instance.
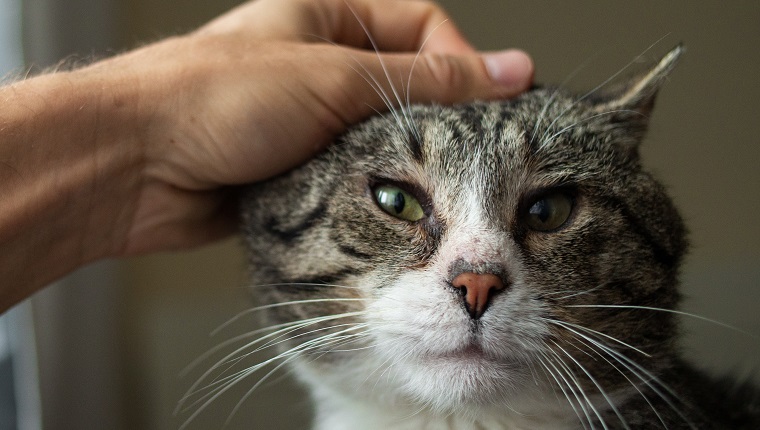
(477, 290)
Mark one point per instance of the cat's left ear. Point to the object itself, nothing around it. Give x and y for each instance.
(632, 102)
(638, 94)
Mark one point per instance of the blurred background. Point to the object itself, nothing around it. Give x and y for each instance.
(106, 347)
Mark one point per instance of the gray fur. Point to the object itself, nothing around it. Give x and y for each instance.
(546, 355)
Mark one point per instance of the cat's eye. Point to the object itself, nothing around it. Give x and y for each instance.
(399, 203)
(549, 212)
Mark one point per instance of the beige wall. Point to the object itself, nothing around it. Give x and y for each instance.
(704, 143)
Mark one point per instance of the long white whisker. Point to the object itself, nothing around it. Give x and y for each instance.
(600, 350)
(373, 82)
(230, 381)
(279, 328)
(415, 130)
(575, 391)
(561, 387)
(383, 66)
(598, 387)
(286, 328)
(279, 305)
(672, 311)
(573, 293)
(588, 401)
(645, 376)
(275, 369)
(569, 326)
(304, 284)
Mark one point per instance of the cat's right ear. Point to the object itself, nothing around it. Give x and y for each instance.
(632, 101)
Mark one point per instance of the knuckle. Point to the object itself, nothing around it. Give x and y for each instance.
(446, 71)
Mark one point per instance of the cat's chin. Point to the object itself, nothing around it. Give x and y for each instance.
(468, 353)
(462, 380)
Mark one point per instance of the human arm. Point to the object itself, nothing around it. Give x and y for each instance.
(137, 153)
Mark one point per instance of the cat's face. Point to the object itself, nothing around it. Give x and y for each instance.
(457, 257)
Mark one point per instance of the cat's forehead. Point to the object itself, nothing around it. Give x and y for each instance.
(538, 131)
(503, 126)
(540, 128)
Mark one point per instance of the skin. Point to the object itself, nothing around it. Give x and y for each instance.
(142, 152)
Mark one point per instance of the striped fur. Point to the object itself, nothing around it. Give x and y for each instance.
(582, 335)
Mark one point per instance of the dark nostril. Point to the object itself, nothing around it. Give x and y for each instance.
(477, 290)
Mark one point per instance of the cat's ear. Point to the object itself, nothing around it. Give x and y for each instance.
(638, 94)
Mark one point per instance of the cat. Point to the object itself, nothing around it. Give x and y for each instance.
(492, 265)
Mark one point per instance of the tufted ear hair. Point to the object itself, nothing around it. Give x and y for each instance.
(628, 105)
(639, 93)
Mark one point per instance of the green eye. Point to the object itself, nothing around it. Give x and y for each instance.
(398, 203)
(549, 212)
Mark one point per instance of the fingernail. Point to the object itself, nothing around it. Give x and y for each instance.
(511, 68)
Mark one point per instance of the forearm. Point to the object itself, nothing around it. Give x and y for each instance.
(69, 171)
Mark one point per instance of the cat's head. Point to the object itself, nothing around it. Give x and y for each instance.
(467, 256)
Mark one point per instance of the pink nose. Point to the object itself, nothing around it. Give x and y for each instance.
(477, 290)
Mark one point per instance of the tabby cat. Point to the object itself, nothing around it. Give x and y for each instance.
(494, 265)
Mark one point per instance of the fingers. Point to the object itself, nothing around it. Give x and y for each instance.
(394, 25)
(436, 77)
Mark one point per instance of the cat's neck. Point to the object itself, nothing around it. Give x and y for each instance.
(336, 411)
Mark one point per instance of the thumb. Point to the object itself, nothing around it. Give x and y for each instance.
(446, 78)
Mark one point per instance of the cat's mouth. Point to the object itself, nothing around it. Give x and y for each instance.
(471, 352)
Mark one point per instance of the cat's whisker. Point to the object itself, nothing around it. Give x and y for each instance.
(282, 340)
(598, 387)
(220, 386)
(286, 329)
(356, 337)
(396, 362)
(574, 388)
(578, 384)
(573, 293)
(372, 80)
(528, 360)
(596, 347)
(641, 373)
(279, 328)
(220, 380)
(672, 311)
(228, 382)
(615, 355)
(282, 304)
(552, 375)
(570, 327)
(411, 415)
(565, 385)
(398, 99)
(413, 124)
(255, 386)
(305, 284)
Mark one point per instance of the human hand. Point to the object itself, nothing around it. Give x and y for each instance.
(142, 152)
(269, 84)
